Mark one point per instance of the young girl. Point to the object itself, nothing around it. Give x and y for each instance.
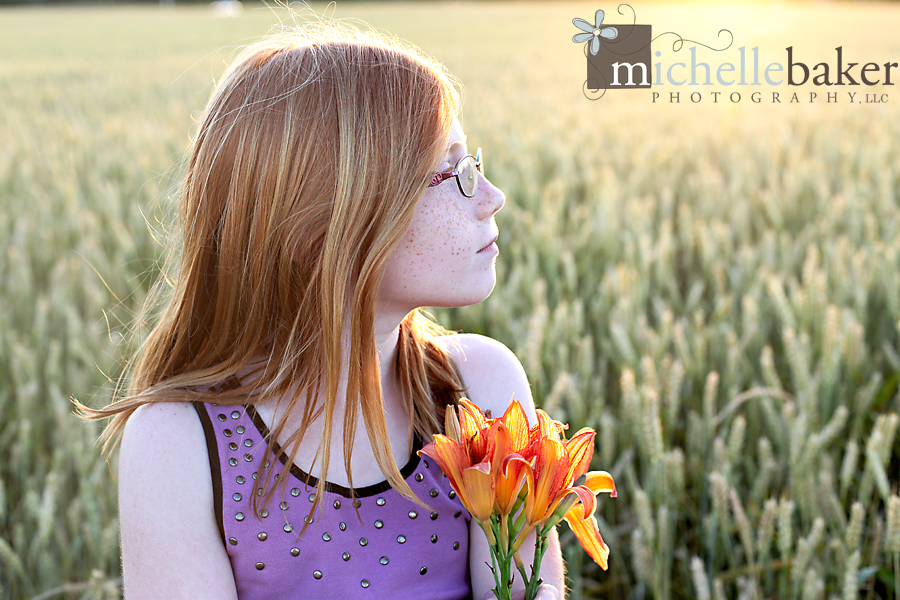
(269, 437)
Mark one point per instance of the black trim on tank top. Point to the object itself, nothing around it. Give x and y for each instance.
(214, 466)
(310, 480)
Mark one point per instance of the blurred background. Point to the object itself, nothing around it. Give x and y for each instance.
(713, 287)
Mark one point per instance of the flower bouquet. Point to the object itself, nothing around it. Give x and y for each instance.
(514, 479)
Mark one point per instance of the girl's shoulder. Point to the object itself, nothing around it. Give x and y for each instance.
(166, 507)
(491, 372)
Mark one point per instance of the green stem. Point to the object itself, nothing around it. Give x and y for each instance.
(504, 534)
(503, 562)
(540, 547)
(495, 561)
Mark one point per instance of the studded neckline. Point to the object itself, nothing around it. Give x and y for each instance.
(361, 492)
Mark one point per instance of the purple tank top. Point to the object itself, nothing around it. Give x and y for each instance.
(399, 550)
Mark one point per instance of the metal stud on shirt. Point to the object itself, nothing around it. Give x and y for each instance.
(401, 539)
(337, 503)
(295, 551)
(380, 502)
(317, 574)
(383, 560)
(262, 536)
(363, 541)
(364, 583)
(295, 492)
(419, 477)
(379, 524)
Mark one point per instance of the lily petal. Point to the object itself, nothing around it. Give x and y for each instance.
(582, 25)
(498, 446)
(473, 424)
(548, 479)
(588, 501)
(508, 484)
(450, 456)
(601, 481)
(580, 450)
(588, 534)
(516, 420)
(546, 427)
(451, 424)
(478, 491)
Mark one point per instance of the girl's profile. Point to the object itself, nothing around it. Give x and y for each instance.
(269, 435)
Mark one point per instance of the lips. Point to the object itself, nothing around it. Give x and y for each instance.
(489, 244)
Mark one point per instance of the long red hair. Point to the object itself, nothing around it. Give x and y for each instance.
(307, 167)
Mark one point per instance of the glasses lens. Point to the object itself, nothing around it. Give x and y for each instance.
(468, 176)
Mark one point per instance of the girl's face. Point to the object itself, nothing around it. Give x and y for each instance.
(447, 256)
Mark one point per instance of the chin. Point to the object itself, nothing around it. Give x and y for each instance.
(474, 295)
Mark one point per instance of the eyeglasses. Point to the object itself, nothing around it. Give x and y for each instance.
(466, 173)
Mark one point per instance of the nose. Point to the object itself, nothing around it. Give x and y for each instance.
(489, 198)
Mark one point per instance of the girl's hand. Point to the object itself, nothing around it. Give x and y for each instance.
(544, 592)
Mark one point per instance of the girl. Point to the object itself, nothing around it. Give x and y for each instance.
(269, 437)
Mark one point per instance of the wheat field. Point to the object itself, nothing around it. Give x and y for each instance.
(714, 288)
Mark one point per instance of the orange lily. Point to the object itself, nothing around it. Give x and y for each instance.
(495, 441)
(557, 465)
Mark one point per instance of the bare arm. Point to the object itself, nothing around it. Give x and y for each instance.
(171, 546)
(494, 376)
